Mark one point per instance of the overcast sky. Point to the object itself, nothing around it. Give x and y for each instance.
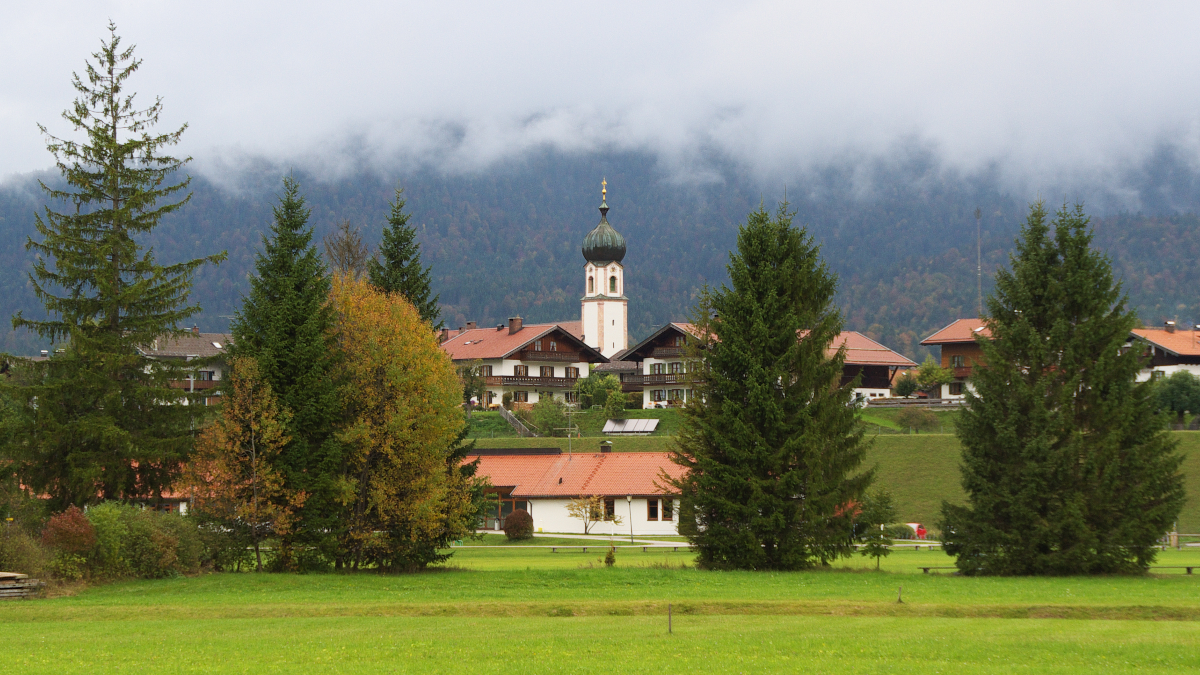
(1074, 88)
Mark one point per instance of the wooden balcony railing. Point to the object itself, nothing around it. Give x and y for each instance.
(196, 385)
(962, 371)
(569, 357)
(666, 352)
(530, 381)
(664, 378)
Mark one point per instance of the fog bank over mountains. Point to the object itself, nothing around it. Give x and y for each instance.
(503, 240)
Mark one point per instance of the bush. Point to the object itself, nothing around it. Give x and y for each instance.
(20, 552)
(518, 525)
(549, 415)
(69, 532)
(906, 384)
(917, 418)
(610, 558)
(134, 542)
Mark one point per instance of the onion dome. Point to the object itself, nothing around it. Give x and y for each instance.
(603, 244)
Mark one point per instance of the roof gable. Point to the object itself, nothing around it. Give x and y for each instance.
(1177, 342)
(863, 351)
(961, 330)
(499, 343)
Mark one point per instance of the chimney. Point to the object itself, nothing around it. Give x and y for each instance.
(499, 326)
(606, 446)
(195, 330)
(471, 325)
(443, 335)
(514, 324)
(1170, 325)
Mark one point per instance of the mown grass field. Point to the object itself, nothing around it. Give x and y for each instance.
(531, 611)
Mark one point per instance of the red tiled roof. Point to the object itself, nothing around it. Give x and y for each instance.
(962, 330)
(609, 474)
(189, 344)
(1179, 342)
(863, 351)
(492, 343)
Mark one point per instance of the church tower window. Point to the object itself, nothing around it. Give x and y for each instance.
(612, 284)
(591, 285)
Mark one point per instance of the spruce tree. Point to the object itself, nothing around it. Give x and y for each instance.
(1067, 467)
(285, 325)
(770, 439)
(99, 420)
(397, 267)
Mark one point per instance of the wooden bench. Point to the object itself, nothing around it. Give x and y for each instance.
(1189, 568)
(14, 585)
(936, 567)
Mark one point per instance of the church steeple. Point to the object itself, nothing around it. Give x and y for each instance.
(604, 244)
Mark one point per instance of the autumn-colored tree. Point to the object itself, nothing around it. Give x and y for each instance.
(590, 509)
(406, 489)
(232, 477)
(345, 250)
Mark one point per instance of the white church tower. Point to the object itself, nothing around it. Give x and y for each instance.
(605, 307)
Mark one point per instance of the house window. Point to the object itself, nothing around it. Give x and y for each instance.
(537, 345)
(485, 371)
(678, 341)
(658, 368)
(553, 346)
(547, 371)
(675, 395)
(956, 388)
(958, 361)
(520, 397)
(572, 372)
(610, 508)
(668, 512)
(612, 284)
(571, 396)
(658, 395)
(520, 371)
(1156, 375)
(676, 368)
(205, 376)
(651, 509)
(591, 286)
(491, 397)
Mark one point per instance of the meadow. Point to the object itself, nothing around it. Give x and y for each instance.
(526, 609)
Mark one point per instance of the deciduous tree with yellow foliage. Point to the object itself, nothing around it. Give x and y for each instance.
(406, 490)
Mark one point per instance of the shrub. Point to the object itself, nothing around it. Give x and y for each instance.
(69, 532)
(518, 525)
(20, 552)
(906, 384)
(549, 415)
(610, 558)
(506, 400)
(134, 542)
(917, 418)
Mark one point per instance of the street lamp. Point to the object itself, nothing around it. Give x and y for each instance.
(629, 500)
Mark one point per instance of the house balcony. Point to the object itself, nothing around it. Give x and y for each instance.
(667, 352)
(194, 385)
(962, 372)
(568, 357)
(665, 378)
(530, 381)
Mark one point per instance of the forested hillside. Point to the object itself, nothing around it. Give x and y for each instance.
(900, 235)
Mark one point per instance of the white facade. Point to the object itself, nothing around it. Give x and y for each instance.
(664, 381)
(550, 515)
(1159, 372)
(605, 309)
(507, 368)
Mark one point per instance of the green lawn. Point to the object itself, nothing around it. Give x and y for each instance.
(513, 610)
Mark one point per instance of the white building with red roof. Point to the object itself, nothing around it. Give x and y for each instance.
(543, 482)
(960, 353)
(1169, 350)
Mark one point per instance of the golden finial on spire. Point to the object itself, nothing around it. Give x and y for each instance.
(603, 189)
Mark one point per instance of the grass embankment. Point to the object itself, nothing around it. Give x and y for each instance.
(490, 425)
(576, 616)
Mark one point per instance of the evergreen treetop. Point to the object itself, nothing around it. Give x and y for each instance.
(96, 420)
(769, 439)
(397, 267)
(285, 324)
(1067, 467)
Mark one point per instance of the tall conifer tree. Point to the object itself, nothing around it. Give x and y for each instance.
(397, 267)
(285, 325)
(98, 420)
(770, 439)
(1067, 467)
